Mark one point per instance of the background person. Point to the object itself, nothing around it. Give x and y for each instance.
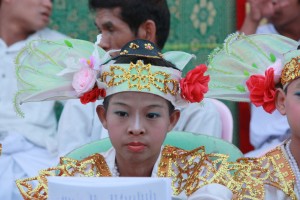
(283, 17)
(28, 144)
(252, 67)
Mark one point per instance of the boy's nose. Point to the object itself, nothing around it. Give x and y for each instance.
(136, 132)
(136, 127)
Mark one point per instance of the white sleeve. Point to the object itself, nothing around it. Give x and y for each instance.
(260, 131)
(201, 118)
(212, 192)
(266, 29)
(75, 125)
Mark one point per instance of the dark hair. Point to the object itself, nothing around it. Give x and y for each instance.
(146, 60)
(136, 12)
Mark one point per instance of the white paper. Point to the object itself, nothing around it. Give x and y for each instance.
(109, 188)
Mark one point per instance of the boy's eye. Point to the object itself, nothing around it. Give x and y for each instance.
(152, 115)
(121, 114)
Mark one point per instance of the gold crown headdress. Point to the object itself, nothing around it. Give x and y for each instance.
(248, 68)
(291, 69)
(65, 69)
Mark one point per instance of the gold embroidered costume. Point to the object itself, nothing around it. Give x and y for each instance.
(253, 177)
(189, 170)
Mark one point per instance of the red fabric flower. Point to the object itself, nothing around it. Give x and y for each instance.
(92, 95)
(262, 90)
(195, 84)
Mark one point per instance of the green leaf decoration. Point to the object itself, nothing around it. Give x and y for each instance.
(68, 43)
(246, 73)
(254, 65)
(241, 88)
(273, 58)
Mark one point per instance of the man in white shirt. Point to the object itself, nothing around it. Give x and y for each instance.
(27, 143)
(119, 22)
(268, 130)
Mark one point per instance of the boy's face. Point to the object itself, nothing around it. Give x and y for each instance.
(137, 124)
(115, 32)
(289, 104)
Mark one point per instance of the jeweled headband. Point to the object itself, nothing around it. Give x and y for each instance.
(248, 68)
(66, 69)
(291, 69)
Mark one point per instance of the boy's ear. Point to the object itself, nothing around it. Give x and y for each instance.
(102, 115)
(147, 31)
(174, 117)
(280, 101)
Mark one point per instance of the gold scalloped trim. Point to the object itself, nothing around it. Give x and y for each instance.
(92, 166)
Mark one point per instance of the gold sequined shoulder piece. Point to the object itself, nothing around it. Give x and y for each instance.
(250, 175)
(92, 166)
(193, 169)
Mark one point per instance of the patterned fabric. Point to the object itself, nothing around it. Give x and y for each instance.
(74, 19)
(189, 170)
(93, 165)
(208, 23)
(252, 175)
(247, 178)
(193, 169)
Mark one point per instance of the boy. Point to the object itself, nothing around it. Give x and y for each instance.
(120, 21)
(260, 71)
(140, 91)
(32, 139)
(283, 17)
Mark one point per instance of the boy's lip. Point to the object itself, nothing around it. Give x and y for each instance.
(136, 146)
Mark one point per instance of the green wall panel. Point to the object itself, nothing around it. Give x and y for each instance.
(198, 26)
(74, 19)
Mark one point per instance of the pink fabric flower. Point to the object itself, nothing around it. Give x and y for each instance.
(195, 84)
(88, 63)
(262, 90)
(84, 80)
